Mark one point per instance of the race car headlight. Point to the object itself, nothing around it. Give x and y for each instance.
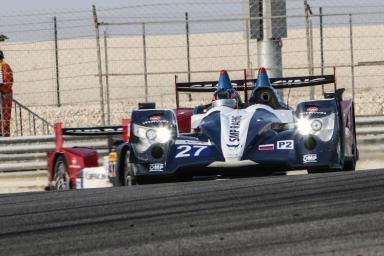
(304, 126)
(321, 127)
(316, 125)
(163, 134)
(151, 134)
(157, 134)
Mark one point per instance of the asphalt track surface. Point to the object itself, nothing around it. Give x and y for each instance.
(318, 214)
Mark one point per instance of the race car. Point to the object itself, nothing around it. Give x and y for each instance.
(263, 132)
(78, 167)
(225, 136)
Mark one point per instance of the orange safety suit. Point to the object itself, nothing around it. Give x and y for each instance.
(6, 98)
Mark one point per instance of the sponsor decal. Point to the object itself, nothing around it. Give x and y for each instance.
(74, 166)
(299, 81)
(93, 130)
(234, 132)
(93, 177)
(154, 118)
(158, 167)
(311, 158)
(267, 147)
(193, 142)
(285, 144)
(155, 122)
(312, 109)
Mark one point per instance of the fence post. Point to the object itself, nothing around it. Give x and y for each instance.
(16, 121)
(57, 62)
(247, 21)
(145, 64)
(107, 78)
(308, 25)
(188, 52)
(352, 57)
(97, 29)
(21, 121)
(321, 45)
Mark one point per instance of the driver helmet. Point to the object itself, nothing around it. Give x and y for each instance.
(226, 94)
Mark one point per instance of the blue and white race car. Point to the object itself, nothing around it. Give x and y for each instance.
(262, 133)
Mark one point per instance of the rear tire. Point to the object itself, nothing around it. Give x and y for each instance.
(350, 165)
(61, 177)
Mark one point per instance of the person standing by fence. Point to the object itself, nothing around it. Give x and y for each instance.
(6, 82)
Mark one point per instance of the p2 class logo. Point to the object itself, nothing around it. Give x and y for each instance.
(311, 158)
(285, 144)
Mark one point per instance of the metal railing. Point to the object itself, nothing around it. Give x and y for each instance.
(26, 122)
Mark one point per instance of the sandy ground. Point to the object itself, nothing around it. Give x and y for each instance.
(35, 85)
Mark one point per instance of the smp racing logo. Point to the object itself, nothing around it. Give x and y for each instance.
(234, 132)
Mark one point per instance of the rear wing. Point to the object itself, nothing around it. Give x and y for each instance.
(249, 84)
(122, 130)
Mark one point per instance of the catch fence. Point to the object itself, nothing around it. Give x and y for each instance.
(64, 72)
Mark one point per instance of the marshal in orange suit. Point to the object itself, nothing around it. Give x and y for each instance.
(6, 81)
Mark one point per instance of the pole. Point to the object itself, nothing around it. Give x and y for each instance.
(352, 57)
(268, 48)
(145, 65)
(308, 12)
(188, 52)
(97, 29)
(321, 45)
(247, 43)
(57, 62)
(107, 77)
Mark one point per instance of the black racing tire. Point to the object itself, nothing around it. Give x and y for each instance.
(340, 143)
(129, 178)
(61, 178)
(350, 164)
(340, 153)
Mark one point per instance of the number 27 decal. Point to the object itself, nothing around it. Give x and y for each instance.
(188, 151)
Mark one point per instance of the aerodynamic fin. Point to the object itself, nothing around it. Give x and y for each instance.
(224, 81)
(263, 79)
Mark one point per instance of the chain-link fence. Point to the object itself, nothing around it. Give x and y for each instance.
(55, 56)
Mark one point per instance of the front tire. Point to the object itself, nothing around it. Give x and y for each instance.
(129, 178)
(61, 177)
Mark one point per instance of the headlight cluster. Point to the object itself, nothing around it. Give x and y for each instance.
(150, 135)
(155, 134)
(321, 127)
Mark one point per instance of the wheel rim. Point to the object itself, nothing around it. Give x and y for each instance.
(128, 180)
(62, 179)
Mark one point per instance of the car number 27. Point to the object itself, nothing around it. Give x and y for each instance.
(188, 151)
